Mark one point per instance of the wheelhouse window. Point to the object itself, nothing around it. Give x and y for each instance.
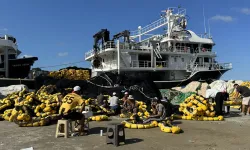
(12, 56)
(208, 47)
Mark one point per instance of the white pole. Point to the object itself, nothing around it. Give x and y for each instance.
(204, 20)
(118, 56)
(6, 62)
(139, 31)
(209, 29)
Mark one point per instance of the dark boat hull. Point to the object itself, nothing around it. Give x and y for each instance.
(19, 68)
(203, 76)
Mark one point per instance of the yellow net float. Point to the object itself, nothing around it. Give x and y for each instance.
(99, 118)
(200, 118)
(130, 125)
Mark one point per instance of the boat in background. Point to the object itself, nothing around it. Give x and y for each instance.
(13, 67)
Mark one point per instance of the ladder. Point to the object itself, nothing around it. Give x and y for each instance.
(192, 61)
(157, 53)
(155, 49)
(153, 26)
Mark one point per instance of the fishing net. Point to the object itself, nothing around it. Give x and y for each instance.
(141, 87)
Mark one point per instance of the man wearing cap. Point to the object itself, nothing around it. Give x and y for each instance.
(129, 105)
(114, 103)
(159, 111)
(125, 97)
(69, 102)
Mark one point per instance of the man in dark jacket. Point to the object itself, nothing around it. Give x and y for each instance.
(245, 93)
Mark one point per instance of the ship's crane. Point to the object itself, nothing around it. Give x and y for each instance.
(124, 34)
(102, 35)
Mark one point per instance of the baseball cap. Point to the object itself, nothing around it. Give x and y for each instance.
(77, 88)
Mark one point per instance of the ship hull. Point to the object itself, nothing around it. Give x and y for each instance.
(203, 76)
(19, 68)
(164, 83)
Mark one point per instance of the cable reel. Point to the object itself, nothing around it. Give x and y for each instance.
(96, 62)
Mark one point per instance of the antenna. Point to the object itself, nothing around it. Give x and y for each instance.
(204, 21)
(209, 28)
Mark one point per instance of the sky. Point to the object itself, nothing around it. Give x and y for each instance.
(61, 31)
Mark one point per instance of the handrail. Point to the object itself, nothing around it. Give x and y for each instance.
(214, 66)
(147, 64)
(112, 64)
(140, 64)
(154, 25)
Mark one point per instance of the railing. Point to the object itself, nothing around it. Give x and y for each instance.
(147, 64)
(106, 45)
(182, 49)
(156, 24)
(127, 46)
(202, 50)
(177, 49)
(204, 36)
(179, 11)
(210, 66)
(140, 64)
(109, 44)
(161, 64)
(108, 65)
(89, 53)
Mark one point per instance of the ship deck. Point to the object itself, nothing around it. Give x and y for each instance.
(30, 83)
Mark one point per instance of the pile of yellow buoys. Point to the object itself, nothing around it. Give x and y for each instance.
(70, 74)
(197, 107)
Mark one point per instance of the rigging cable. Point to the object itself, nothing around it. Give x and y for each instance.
(61, 64)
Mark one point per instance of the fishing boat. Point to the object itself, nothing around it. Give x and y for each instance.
(174, 58)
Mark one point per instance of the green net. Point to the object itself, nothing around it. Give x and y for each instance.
(181, 97)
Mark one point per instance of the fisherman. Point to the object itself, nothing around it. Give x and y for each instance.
(114, 103)
(219, 100)
(245, 93)
(159, 111)
(101, 100)
(69, 102)
(125, 97)
(168, 106)
(129, 105)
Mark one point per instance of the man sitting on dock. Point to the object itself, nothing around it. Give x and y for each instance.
(69, 102)
(129, 105)
(114, 103)
(159, 111)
